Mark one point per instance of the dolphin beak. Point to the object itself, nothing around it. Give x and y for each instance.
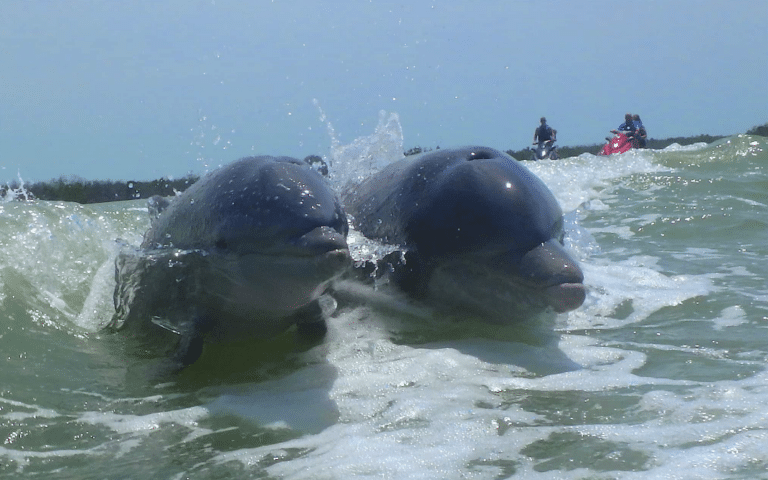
(550, 267)
(322, 240)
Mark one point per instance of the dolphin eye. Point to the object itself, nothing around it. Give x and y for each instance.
(221, 244)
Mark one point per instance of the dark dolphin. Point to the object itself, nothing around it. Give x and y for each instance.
(245, 252)
(479, 231)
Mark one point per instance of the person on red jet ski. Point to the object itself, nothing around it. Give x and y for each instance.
(641, 135)
(624, 139)
(628, 128)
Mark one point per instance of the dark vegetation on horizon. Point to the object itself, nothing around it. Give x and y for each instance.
(79, 190)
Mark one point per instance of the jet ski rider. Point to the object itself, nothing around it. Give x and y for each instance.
(628, 128)
(544, 133)
(642, 135)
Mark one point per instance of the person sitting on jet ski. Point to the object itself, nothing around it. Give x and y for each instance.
(544, 133)
(628, 128)
(640, 135)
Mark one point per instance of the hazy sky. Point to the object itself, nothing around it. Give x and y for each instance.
(149, 88)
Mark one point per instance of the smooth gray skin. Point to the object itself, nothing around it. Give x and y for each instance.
(244, 252)
(480, 232)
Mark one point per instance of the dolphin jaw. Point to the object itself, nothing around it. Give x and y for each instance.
(256, 285)
(565, 297)
(509, 286)
(321, 240)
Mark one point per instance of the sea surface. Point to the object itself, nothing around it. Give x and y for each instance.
(660, 374)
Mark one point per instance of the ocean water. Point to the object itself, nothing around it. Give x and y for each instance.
(660, 374)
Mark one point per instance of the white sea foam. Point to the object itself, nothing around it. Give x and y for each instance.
(635, 285)
(579, 180)
(428, 412)
(676, 147)
(298, 401)
(731, 317)
(152, 422)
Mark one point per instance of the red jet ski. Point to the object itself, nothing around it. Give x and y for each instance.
(620, 143)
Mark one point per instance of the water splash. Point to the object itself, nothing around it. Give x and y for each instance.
(206, 138)
(350, 164)
(15, 191)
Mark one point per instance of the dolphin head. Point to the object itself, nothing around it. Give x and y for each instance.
(256, 204)
(271, 232)
(486, 226)
(275, 207)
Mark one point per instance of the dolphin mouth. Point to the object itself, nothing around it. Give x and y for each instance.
(316, 256)
(278, 281)
(550, 268)
(565, 297)
(509, 287)
(321, 241)
(318, 243)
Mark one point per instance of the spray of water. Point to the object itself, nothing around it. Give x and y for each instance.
(15, 192)
(208, 142)
(350, 164)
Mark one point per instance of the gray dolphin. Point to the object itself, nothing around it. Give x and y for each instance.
(245, 252)
(479, 232)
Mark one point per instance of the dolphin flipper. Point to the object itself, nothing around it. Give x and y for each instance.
(189, 350)
(191, 334)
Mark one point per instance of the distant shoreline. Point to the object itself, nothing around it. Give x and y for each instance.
(80, 190)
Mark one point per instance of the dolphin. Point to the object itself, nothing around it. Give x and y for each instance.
(245, 252)
(478, 231)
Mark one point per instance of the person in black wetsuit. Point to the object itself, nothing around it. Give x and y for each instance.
(544, 132)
